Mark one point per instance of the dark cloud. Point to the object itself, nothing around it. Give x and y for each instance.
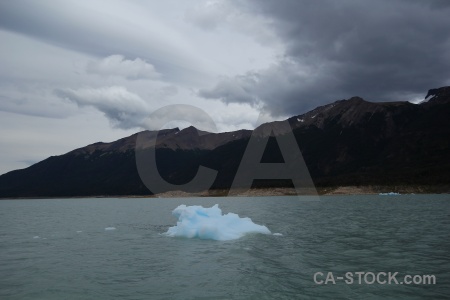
(379, 50)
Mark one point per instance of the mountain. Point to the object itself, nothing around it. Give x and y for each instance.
(347, 142)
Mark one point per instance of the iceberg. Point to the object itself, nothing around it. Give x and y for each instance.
(209, 223)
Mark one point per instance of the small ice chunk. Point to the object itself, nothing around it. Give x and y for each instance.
(209, 223)
(278, 234)
(36, 237)
(110, 228)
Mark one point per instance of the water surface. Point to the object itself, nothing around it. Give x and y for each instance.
(59, 248)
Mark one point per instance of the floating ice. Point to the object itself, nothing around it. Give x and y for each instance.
(36, 237)
(209, 223)
(110, 228)
(389, 194)
(278, 234)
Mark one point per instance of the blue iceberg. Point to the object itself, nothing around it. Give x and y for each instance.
(209, 223)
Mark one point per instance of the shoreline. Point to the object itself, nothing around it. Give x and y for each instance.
(321, 191)
(272, 192)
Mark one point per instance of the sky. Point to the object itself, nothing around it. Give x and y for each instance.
(74, 73)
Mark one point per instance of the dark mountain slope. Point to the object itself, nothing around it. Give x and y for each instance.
(382, 143)
(348, 142)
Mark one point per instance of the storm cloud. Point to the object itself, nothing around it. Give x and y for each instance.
(379, 50)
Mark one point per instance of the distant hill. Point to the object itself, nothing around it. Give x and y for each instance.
(347, 142)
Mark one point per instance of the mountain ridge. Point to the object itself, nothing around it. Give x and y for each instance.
(347, 142)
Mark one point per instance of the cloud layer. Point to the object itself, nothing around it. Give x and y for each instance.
(380, 50)
(123, 108)
(103, 28)
(117, 65)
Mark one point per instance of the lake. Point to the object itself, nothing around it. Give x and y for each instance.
(108, 248)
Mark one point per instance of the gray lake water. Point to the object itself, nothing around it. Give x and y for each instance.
(59, 249)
